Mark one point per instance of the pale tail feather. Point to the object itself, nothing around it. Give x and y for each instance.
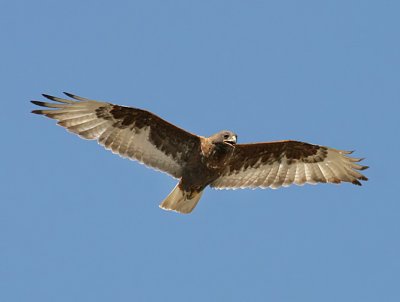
(178, 201)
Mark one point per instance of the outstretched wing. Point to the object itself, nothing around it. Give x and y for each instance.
(130, 132)
(283, 163)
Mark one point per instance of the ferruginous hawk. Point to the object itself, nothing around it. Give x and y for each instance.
(216, 161)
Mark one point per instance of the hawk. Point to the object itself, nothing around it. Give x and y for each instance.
(196, 161)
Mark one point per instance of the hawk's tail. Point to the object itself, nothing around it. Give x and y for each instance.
(181, 201)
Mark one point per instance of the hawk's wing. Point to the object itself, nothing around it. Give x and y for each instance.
(129, 132)
(283, 163)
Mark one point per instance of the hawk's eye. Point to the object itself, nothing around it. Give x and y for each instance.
(226, 136)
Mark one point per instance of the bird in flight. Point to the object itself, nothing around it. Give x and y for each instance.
(196, 161)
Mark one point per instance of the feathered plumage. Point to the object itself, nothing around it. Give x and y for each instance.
(217, 161)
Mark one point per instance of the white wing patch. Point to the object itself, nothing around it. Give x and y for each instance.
(137, 146)
(335, 168)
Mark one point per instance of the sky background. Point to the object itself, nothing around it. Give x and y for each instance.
(78, 223)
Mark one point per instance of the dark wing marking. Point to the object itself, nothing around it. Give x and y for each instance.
(130, 132)
(284, 163)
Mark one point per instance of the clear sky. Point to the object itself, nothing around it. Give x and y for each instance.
(78, 223)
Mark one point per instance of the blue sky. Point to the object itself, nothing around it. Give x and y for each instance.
(78, 223)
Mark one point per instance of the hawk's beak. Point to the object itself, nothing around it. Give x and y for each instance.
(231, 141)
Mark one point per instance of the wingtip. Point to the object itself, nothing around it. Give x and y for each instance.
(37, 111)
(38, 103)
(47, 96)
(69, 94)
(357, 181)
(75, 97)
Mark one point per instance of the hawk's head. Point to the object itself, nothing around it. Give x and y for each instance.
(224, 137)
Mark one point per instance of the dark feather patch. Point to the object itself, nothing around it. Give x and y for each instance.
(42, 104)
(37, 111)
(253, 155)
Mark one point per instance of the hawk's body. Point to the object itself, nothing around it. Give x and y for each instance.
(199, 161)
